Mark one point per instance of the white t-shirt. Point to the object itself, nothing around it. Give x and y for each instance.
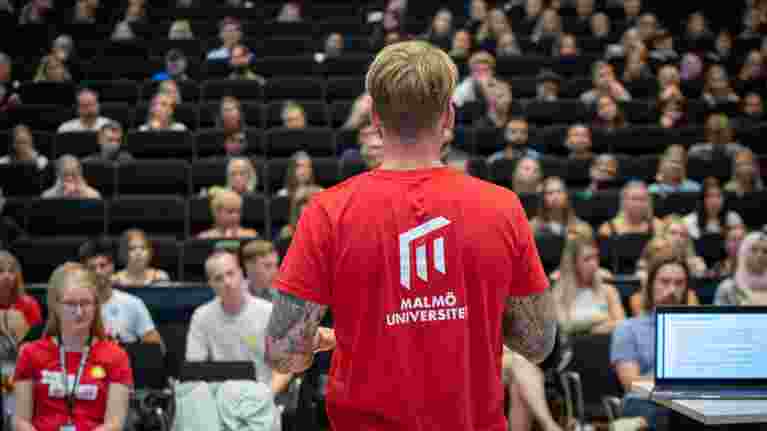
(215, 335)
(126, 317)
(76, 125)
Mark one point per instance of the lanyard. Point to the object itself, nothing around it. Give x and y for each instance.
(70, 395)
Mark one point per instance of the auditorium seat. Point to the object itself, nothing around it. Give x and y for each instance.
(279, 214)
(345, 65)
(40, 256)
(45, 92)
(78, 144)
(102, 176)
(244, 90)
(118, 90)
(282, 142)
(466, 139)
(350, 168)
(550, 250)
(41, 117)
(339, 111)
(121, 112)
(563, 111)
(50, 217)
(486, 141)
(597, 208)
(155, 214)
(189, 89)
(345, 87)
(316, 112)
(210, 143)
(160, 144)
(277, 66)
(167, 256)
(294, 88)
(278, 45)
(31, 186)
(623, 251)
(681, 203)
(161, 176)
(193, 256)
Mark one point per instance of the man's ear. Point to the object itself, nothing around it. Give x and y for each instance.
(448, 118)
(375, 121)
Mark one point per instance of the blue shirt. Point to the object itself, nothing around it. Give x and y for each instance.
(634, 340)
(684, 186)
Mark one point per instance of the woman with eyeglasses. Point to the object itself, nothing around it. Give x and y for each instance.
(73, 378)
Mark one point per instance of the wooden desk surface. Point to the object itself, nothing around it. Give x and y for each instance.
(710, 412)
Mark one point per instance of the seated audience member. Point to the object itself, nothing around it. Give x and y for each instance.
(461, 45)
(70, 182)
(517, 145)
(125, 316)
(170, 88)
(672, 177)
(299, 173)
(440, 32)
(719, 143)
(241, 178)
(500, 105)
(712, 214)
(675, 229)
(603, 173)
(261, 263)
(290, 12)
(751, 112)
(605, 84)
(658, 248)
(548, 87)
(240, 65)
(527, 394)
(226, 206)
(293, 116)
(370, 149)
(334, 45)
(10, 230)
(475, 87)
(746, 174)
(160, 116)
(527, 176)
(635, 214)
(717, 89)
(176, 66)
(230, 34)
(748, 285)
(110, 143)
(579, 142)
(632, 350)
(230, 117)
(75, 331)
(297, 202)
(24, 149)
(52, 69)
(136, 254)
(672, 107)
(609, 116)
(556, 215)
(232, 327)
(18, 311)
(732, 238)
(587, 302)
(89, 117)
(180, 29)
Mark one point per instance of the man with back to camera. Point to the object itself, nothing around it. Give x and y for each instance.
(428, 272)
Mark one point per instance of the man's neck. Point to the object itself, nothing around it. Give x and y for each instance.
(233, 307)
(136, 272)
(88, 121)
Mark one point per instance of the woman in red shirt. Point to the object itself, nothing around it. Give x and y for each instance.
(12, 290)
(98, 372)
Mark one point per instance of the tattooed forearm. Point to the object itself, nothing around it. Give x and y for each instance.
(530, 325)
(290, 333)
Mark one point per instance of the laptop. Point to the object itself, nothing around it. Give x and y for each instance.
(710, 352)
(220, 371)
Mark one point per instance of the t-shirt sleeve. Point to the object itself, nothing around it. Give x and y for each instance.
(196, 345)
(528, 276)
(31, 310)
(623, 347)
(305, 271)
(25, 366)
(119, 368)
(143, 322)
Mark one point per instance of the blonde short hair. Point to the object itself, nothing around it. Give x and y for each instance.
(411, 84)
(65, 275)
(221, 197)
(256, 249)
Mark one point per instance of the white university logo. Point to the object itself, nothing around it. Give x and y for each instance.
(421, 264)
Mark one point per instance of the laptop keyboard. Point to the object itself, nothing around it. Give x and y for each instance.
(711, 393)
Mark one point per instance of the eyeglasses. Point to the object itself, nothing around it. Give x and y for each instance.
(75, 304)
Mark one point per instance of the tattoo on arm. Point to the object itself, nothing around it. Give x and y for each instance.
(530, 325)
(291, 331)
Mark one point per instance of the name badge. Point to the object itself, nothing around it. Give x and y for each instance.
(87, 392)
(68, 427)
(56, 390)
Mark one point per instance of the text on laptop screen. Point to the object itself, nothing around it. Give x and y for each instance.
(711, 346)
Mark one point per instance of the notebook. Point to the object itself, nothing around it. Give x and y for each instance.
(710, 352)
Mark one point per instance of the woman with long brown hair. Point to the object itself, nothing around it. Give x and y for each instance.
(556, 215)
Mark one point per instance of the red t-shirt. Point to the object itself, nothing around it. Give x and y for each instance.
(39, 361)
(416, 267)
(29, 307)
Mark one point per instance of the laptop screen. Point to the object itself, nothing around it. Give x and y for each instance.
(711, 343)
